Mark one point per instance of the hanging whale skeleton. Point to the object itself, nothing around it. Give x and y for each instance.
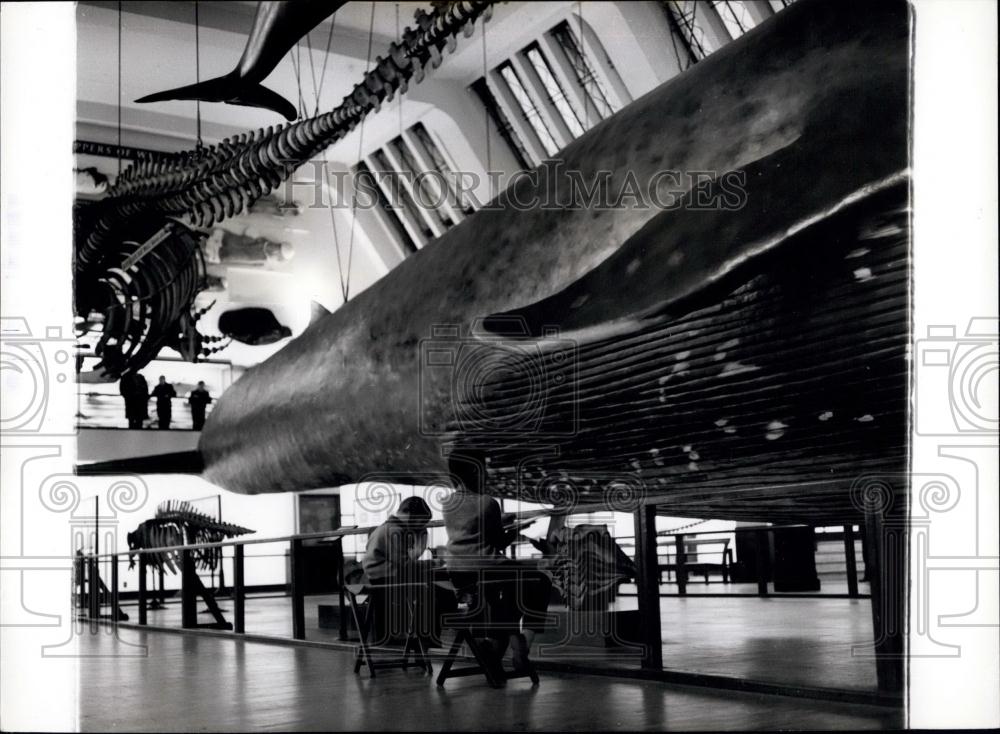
(138, 263)
(743, 360)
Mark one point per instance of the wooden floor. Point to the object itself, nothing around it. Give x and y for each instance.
(198, 683)
(811, 642)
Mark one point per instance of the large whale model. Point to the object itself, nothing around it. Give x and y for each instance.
(276, 28)
(739, 353)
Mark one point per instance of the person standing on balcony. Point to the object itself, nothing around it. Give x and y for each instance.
(198, 400)
(135, 391)
(164, 392)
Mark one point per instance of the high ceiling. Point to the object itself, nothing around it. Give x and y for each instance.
(157, 51)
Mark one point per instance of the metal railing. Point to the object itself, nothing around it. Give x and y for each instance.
(104, 410)
(94, 593)
(679, 554)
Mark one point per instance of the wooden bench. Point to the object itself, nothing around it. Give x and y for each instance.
(694, 562)
(364, 621)
(473, 617)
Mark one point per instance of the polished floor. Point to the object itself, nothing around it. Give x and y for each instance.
(813, 642)
(157, 681)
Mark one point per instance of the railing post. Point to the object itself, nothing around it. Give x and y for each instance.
(81, 582)
(682, 577)
(142, 589)
(864, 551)
(298, 589)
(648, 586)
(114, 589)
(239, 591)
(189, 605)
(221, 555)
(762, 561)
(94, 589)
(887, 576)
(851, 560)
(666, 560)
(340, 592)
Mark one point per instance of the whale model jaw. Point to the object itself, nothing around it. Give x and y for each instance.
(277, 26)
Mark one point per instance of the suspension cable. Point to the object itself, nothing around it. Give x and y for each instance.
(119, 89)
(583, 53)
(312, 67)
(401, 95)
(486, 116)
(297, 68)
(326, 57)
(197, 72)
(361, 140)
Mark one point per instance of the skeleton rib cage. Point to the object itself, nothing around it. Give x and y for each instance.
(179, 523)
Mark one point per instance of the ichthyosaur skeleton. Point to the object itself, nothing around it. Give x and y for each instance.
(178, 523)
(687, 350)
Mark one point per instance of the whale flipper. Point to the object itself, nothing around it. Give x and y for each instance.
(231, 90)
